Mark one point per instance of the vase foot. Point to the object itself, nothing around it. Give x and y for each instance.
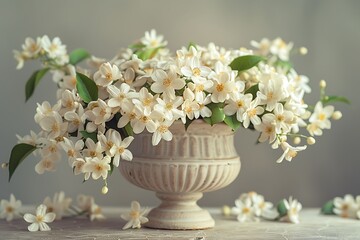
(179, 211)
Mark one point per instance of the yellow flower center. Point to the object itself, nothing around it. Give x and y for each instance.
(71, 153)
(199, 88)
(196, 71)
(93, 154)
(39, 218)
(55, 127)
(240, 103)
(108, 76)
(246, 210)
(134, 214)
(9, 209)
(220, 87)
(98, 167)
(280, 118)
(167, 82)
(252, 112)
(121, 150)
(147, 101)
(322, 117)
(163, 129)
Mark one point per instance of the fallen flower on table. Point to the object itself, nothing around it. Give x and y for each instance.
(289, 210)
(58, 205)
(95, 211)
(40, 220)
(135, 217)
(347, 207)
(10, 209)
(252, 207)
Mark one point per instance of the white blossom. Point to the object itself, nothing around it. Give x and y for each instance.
(10, 209)
(135, 217)
(58, 205)
(40, 220)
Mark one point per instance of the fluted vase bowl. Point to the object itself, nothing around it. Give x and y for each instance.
(197, 160)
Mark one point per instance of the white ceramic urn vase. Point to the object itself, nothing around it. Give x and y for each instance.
(200, 159)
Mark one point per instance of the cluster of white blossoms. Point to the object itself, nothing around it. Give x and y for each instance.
(146, 88)
(346, 207)
(51, 209)
(252, 207)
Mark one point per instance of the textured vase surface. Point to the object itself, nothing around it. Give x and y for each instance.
(197, 160)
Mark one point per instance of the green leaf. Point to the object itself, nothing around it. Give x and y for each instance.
(245, 62)
(92, 135)
(328, 208)
(34, 81)
(217, 115)
(192, 44)
(284, 64)
(129, 130)
(78, 55)
(232, 122)
(136, 46)
(18, 154)
(86, 88)
(147, 53)
(330, 99)
(281, 208)
(253, 90)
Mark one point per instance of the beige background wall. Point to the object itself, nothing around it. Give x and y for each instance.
(329, 29)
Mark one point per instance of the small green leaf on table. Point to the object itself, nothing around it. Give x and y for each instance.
(281, 208)
(328, 208)
(18, 154)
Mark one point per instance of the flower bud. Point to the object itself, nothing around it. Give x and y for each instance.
(104, 190)
(323, 84)
(303, 51)
(4, 165)
(337, 115)
(297, 140)
(310, 140)
(226, 210)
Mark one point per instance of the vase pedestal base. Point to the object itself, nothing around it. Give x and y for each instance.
(179, 211)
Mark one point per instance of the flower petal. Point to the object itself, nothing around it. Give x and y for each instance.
(29, 218)
(34, 227)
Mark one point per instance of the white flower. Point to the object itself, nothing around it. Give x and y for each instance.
(238, 106)
(20, 58)
(135, 217)
(98, 167)
(199, 85)
(10, 209)
(272, 89)
(99, 112)
(118, 150)
(142, 120)
(69, 81)
(345, 207)
(189, 106)
(76, 120)
(54, 48)
(69, 101)
(31, 47)
(120, 96)
(78, 167)
(244, 211)
(281, 118)
(39, 220)
(152, 40)
(84, 202)
(58, 205)
(202, 100)
(193, 69)
(263, 46)
(53, 125)
(107, 74)
(252, 112)
(289, 152)
(224, 84)
(170, 108)
(32, 139)
(162, 132)
(146, 99)
(281, 49)
(45, 110)
(293, 208)
(93, 149)
(166, 83)
(45, 164)
(72, 150)
(321, 115)
(267, 129)
(95, 211)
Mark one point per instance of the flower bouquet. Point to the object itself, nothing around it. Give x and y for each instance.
(146, 87)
